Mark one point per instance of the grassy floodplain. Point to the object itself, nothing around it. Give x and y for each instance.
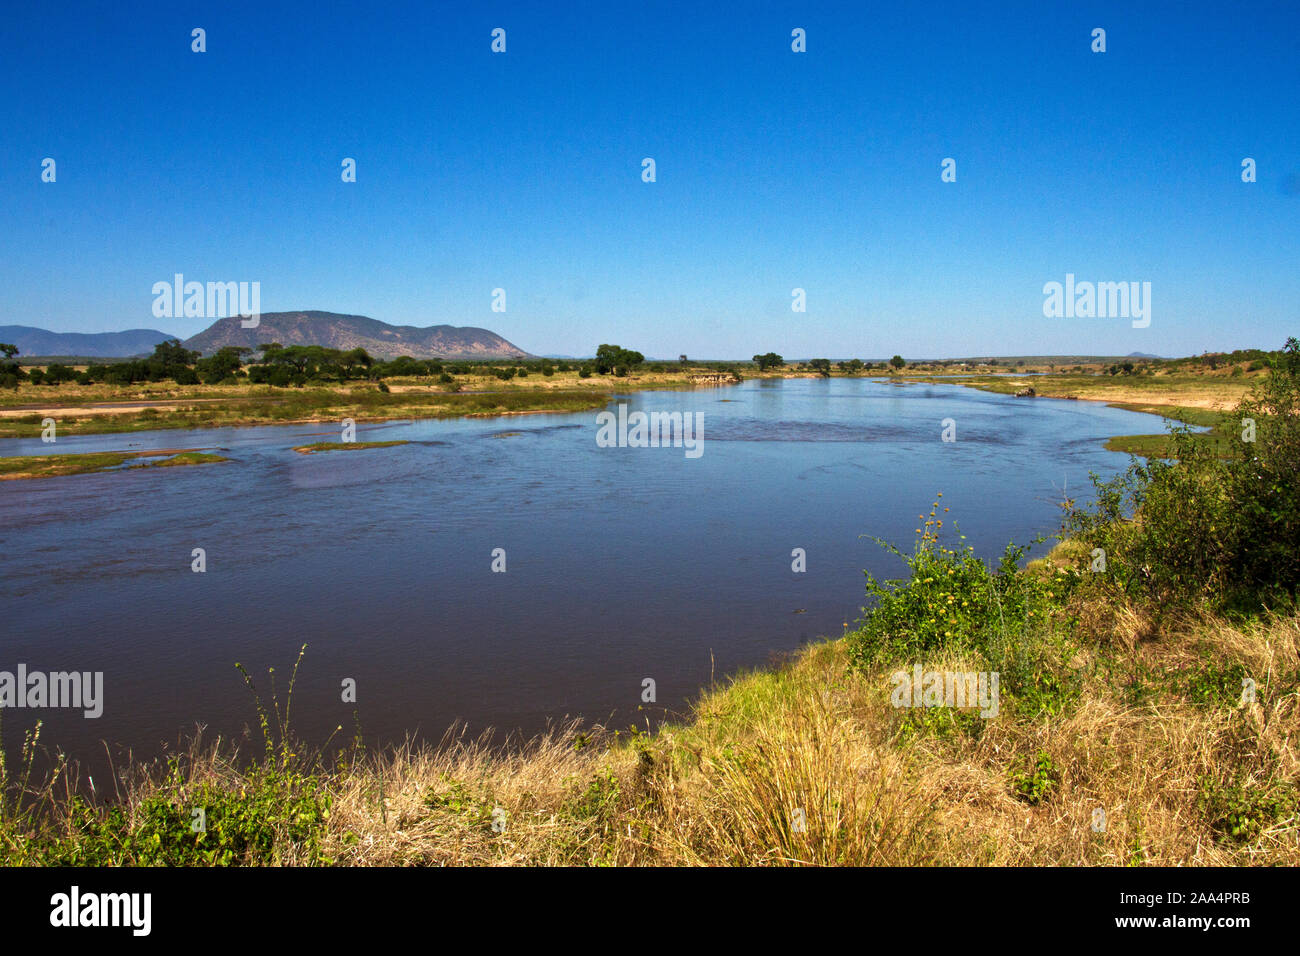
(1194, 392)
(1196, 398)
(90, 410)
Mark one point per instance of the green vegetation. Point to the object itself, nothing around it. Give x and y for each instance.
(1220, 522)
(1034, 780)
(344, 446)
(616, 359)
(194, 810)
(1220, 440)
(10, 371)
(268, 405)
(949, 600)
(1150, 716)
(51, 466)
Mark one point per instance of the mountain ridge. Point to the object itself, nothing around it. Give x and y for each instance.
(339, 331)
(36, 341)
(302, 327)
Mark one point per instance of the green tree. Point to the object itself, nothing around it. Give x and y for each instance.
(821, 365)
(768, 360)
(171, 355)
(57, 374)
(897, 361)
(10, 371)
(611, 357)
(224, 363)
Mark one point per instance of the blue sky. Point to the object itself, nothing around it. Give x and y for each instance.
(775, 170)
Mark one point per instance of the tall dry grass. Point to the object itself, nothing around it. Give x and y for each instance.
(809, 764)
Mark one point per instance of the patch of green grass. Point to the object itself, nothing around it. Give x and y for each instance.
(460, 801)
(1240, 812)
(182, 825)
(1033, 782)
(1221, 439)
(942, 723)
(345, 446)
(54, 466)
(263, 405)
(47, 466)
(184, 458)
(1202, 417)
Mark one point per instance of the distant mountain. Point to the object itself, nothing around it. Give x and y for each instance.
(336, 331)
(1141, 355)
(31, 341)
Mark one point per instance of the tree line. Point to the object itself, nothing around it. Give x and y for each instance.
(771, 360)
(295, 365)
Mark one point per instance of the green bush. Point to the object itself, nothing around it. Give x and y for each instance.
(950, 600)
(1219, 521)
(274, 811)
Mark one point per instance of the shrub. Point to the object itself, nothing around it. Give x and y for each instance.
(56, 374)
(1218, 521)
(1033, 781)
(950, 600)
(275, 812)
(1239, 813)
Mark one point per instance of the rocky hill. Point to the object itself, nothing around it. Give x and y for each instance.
(336, 331)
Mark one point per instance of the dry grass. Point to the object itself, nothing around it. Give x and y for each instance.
(812, 742)
(725, 787)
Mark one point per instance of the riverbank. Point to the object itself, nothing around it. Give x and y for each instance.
(1197, 400)
(105, 409)
(109, 409)
(1146, 755)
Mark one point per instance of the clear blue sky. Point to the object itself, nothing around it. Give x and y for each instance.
(818, 170)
